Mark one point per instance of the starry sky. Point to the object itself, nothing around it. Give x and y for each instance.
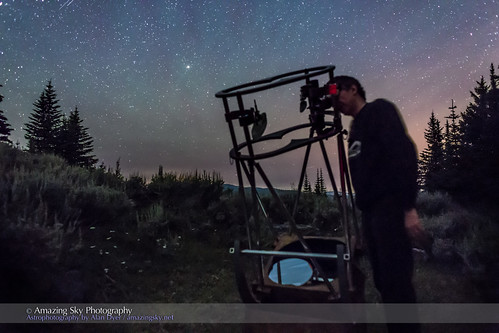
(144, 73)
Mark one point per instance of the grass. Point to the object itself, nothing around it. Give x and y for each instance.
(208, 268)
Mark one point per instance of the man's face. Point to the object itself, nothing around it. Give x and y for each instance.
(344, 101)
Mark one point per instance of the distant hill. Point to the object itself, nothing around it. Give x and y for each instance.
(264, 192)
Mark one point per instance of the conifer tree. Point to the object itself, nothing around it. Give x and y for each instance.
(471, 151)
(451, 139)
(479, 150)
(117, 172)
(494, 79)
(472, 118)
(432, 157)
(319, 188)
(452, 131)
(307, 188)
(322, 183)
(42, 130)
(76, 143)
(470, 168)
(5, 127)
(494, 86)
(447, 178)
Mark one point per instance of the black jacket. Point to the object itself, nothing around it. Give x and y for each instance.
(382, 157)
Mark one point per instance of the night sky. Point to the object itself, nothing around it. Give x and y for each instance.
(144, 74)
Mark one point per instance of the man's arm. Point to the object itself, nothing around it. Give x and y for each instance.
(401, 156)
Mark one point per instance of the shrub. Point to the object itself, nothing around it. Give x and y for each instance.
(101, 205)
(461, 235)
(431, 204)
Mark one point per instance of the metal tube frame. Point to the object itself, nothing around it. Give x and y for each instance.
(248, 165)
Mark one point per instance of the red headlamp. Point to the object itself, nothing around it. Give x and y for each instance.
(332, 89)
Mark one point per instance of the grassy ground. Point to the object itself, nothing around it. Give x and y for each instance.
(198, 273)
(211, 280)
(434, 282)
(202, 272)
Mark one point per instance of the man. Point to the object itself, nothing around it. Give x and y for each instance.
(383, 164)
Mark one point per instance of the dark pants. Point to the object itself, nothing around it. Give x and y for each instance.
(390, 254)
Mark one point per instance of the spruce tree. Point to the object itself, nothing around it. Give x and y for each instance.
(117, 172)
(5, 128)
(494, 79)
(452, 131)
(432, 157)
(307, 188)
(76, 143)
(494, 86)
(447, 178)
(471, 124)
(42, 130)
(479, 149)
(451, 139)
(322, 183)
(319, 188)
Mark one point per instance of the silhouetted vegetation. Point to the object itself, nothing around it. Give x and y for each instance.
(98, 229)
(76, 143)
(49, 131)
(5, 127)
(464, 161)
(459, 173)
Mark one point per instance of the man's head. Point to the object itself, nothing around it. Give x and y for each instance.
(351, 95)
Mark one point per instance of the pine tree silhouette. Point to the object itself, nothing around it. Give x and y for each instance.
(322, 183)
(494, 79)
(478, 166)
(43, 128)
(472, 119)
(431, 158)
(451, 139)
(307, 188)
(465, 162)
(76, 143)
(5, 127)
(319, 188)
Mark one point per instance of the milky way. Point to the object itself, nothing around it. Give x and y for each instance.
(143, 74)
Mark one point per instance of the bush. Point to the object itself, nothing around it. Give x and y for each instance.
(101, 205)
(432, 204)
(44, 246)
(461, 235)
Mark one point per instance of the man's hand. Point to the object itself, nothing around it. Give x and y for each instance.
(419, 237)
(413, 225)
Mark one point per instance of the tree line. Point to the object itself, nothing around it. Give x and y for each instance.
(462, 156)
(50, 131)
